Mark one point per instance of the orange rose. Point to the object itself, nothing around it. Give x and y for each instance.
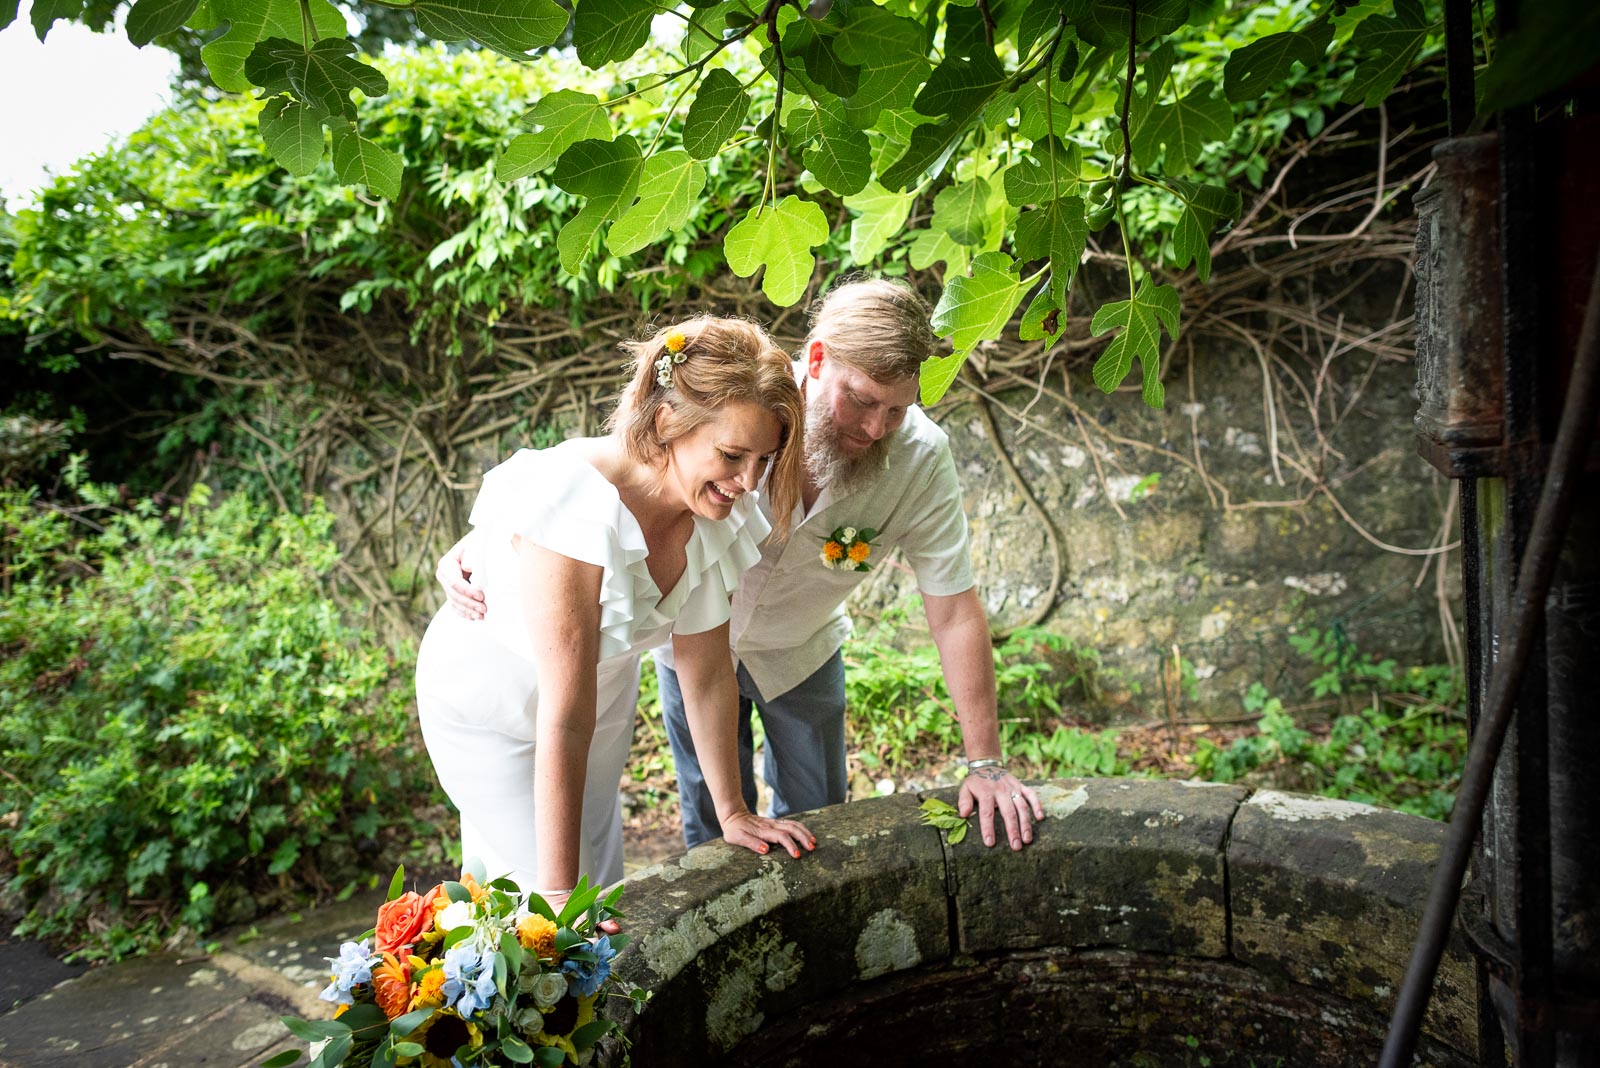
(401, 922)
(537, 935)
(391, 986)
(859, 552)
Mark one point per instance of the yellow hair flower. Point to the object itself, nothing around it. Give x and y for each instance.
(675, 341)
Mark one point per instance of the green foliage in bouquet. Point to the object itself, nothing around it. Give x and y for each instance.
(187, 718)
(473, 975)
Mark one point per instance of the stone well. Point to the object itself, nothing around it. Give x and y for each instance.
(1151, 923)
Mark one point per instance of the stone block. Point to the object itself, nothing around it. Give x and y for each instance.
(730, 940)
(1330, 894)
(1132, 864)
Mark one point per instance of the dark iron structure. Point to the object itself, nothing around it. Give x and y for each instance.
(1508, 378)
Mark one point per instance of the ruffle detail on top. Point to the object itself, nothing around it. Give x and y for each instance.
(558, 500)
(716, 556)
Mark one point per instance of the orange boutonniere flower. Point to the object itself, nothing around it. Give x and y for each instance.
(848, 548)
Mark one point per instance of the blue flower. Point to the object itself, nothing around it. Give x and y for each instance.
(468, 979)
(352, 967)
(585, 975)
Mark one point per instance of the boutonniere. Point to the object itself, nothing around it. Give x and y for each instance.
(847, 549)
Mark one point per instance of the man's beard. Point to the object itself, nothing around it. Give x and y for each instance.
(827, 462)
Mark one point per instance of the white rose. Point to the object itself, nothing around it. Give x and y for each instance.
(456, 914)
(548, 989)
(848, 534)
(530, 1021)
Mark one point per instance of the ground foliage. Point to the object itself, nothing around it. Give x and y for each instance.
(190, 725)
(1029, 122)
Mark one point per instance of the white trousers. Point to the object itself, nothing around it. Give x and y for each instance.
(478, 707)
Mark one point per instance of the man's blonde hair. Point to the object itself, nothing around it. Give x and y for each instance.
(877, 326)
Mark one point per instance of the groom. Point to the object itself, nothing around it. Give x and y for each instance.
(875, 463)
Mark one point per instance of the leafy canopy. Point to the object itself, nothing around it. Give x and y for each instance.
(1024, 128)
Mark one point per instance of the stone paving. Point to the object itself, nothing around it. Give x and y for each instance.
(185, 1010)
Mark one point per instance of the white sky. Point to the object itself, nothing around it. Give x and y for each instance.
(68, 97)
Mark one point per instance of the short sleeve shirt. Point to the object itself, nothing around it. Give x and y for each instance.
(788, 611)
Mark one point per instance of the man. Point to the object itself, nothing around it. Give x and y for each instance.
(875, 463)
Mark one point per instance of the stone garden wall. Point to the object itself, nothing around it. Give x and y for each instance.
(1151, 923)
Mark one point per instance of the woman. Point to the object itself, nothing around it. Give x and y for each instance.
(588, 553)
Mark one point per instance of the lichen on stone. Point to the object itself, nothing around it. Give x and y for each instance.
(888, 943)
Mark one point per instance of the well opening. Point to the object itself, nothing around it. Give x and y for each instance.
(1152, 923)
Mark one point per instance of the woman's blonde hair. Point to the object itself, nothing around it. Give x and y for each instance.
(877, 326)
(723, 361)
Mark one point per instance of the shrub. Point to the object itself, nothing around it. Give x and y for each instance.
(188, 718)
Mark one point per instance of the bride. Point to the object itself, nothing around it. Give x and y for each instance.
(589, 553)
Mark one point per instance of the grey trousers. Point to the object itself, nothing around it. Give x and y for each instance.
(804, 764)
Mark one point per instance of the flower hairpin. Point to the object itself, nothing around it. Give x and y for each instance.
(674, 345)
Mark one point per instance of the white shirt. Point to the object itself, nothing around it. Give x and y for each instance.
(788, 610)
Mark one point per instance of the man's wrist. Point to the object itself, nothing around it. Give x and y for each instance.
(985, 762)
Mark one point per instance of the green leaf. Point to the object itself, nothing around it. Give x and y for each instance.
(606, 173)
(1141, 320)
(881, 215)
(605, 31)
(1045, 319)
(719, 109)
(668, 186)
(1057, 231)
(1265, 62)
(586, 1036)
(250, 21)
(957, 834)
(974, 308)
(549, 1057)
(397, 884)
(149, 19)
(402, 1026)
(932, 246)
(288, 1056)
(823, 64)
(8, 12)
(1050, 171)
(559, 120)
(781, 238)
(959, 88)
(1387, 46)
(333, 1053)
(837, 153)
(322, 75)
(45, 13)
(315, 1030)
(516, 1050)
(358, 161)
(1203, 207)
(408, 1049)
(510, 27)
(892, 54)
(1042, 115)
(1040, 18)
(962, 211)
(1184, 126)
(293, 135)
(1554, 42)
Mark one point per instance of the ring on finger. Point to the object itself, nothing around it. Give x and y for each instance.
(1016, 797)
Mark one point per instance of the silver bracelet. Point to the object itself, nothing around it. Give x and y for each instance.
(985, 762)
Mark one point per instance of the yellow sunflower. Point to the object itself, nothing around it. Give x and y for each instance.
(440, 1036)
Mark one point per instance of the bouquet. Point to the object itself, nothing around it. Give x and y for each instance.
(468, 975)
